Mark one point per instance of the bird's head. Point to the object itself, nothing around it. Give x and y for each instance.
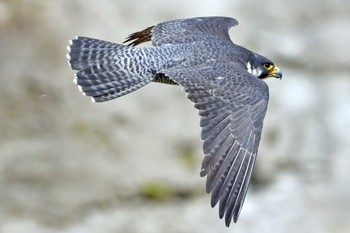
(261, 67)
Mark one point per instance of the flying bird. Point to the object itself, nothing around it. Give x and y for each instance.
(221, 78)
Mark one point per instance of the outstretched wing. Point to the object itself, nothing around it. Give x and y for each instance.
(232, 105)
(184, 31)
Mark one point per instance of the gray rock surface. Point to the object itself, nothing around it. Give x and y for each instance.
(132, 165)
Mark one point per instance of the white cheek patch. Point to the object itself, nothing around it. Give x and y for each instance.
(252, 70)
(256, 72)
(249, 67)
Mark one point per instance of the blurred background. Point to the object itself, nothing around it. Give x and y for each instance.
(132, 164)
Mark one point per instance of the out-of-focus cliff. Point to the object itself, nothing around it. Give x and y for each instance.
(132, 164)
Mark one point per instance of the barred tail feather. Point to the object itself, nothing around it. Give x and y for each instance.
(106, 70)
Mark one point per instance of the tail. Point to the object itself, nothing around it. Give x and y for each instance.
(107, 70)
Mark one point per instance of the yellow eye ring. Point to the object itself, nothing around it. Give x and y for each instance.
(268, 66)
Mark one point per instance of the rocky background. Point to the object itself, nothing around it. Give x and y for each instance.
(132, 165)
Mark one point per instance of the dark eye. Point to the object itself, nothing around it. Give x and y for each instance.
(268, 66)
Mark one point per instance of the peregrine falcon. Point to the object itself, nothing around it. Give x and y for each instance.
(221, 78)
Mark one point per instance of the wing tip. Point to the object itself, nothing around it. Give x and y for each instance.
(203, 172)
(139, 37)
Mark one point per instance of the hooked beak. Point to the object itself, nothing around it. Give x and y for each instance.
(276, 73)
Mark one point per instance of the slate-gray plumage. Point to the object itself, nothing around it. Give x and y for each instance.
(222, 79)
